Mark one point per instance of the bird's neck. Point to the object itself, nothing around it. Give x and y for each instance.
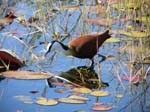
(104, 36)
(64, 49)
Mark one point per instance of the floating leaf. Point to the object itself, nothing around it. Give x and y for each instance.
(82, 90)
(119, 95)
(136, 34)
(21, 97)
(112, 40)
(46, 102)
(98, 103)
(26, 75)
(100, 93)
(25, 99)
(70, 100)
(110, 57)
(78, 97)
(131, 78)
(10, 59)
(58, 83)
(28, 102)
(67, 85)
(101, 107)
(60, 90)
(80, 111)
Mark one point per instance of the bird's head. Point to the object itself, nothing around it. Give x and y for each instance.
(49, 46)
(108, 34)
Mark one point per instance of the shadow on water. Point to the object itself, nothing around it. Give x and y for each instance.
(83, 76)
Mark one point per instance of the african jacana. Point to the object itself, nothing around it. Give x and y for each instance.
(84, 47)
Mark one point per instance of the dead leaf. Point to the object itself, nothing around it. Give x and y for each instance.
(26, 75)
(101, 107)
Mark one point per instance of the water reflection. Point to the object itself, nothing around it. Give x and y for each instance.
(82, 76)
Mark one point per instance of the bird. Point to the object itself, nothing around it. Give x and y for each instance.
(83, 47)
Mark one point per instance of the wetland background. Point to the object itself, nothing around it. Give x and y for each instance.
(38, 22)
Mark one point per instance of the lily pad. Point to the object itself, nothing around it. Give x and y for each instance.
(46, 102)
(82, 90)
(100, 93)
(101, 107)
(59, 90)
(24, 99)
(80, 111)
(70, 100)
(119, 95)
(78, 97)
(26, 75)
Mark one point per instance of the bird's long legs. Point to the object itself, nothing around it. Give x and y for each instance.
(99, 55)
(92, 64)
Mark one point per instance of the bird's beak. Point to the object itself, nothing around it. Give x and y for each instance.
(48, 49)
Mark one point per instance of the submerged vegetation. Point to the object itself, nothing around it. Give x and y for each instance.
(27, 27)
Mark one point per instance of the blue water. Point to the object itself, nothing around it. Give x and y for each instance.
(9, 88)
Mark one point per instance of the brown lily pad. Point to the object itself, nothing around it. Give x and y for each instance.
(26, 75)
(101, 107)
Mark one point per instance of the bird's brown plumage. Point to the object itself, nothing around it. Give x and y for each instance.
(86, 46)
